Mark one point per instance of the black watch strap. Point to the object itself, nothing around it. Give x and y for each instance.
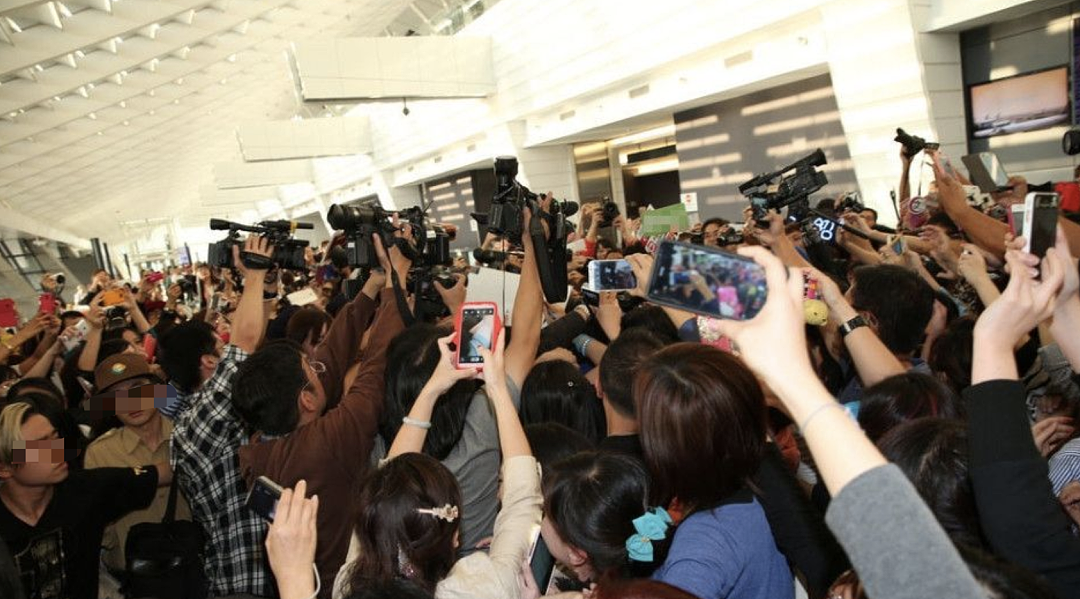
(851, 325)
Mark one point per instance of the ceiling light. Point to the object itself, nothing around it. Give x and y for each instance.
(126, 123)
(123, 103)
(179, 81)
(13, 25)
(64, 10)
(92, 116)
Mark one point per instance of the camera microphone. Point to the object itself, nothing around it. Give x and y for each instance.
(284, 225)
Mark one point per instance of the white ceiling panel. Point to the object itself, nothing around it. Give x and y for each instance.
(117, 111)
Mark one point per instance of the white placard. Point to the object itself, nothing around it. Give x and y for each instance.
(497, 286)
(689, 200)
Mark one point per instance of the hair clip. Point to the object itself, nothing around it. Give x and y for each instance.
(447, 512)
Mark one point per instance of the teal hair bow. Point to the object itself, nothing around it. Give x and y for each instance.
(650, 526)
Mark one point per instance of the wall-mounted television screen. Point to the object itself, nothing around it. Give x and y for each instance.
(1024, 102)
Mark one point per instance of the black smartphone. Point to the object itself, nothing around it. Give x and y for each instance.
(707, 281)
(263, 498)
(542, 564)
(1040, 225)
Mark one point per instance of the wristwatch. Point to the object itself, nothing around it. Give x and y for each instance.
(851, 325)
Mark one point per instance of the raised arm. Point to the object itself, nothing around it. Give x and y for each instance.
(410, 437)
(873, 360)
(985, 231)
(339, 349)
(249, 320)
(137, 317)
(528, 313)
(922, 560)
(1019, 514)
(96, 319)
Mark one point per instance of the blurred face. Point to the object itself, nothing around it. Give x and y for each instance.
(102, 278)
(134, 411)
(39, 461)
(711, 233)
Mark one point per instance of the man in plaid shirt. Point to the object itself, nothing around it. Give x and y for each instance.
(206, 439)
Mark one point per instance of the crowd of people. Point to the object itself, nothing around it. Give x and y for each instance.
(889, 424)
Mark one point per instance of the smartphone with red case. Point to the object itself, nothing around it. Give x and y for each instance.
(8, 316)
(477, 325)
(47, 304)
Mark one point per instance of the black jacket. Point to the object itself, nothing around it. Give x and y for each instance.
(1022, 520)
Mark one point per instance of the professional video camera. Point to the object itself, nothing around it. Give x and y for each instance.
(360, 222)
(505, 219)
(786, 187)
(913, 144)
(730, 236)
(851, 202)
(288, 252)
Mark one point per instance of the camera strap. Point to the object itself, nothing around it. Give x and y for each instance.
(399, 296)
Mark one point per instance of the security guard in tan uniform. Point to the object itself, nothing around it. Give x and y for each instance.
(127, 384)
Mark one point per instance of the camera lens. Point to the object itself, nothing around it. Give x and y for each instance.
(349, 217)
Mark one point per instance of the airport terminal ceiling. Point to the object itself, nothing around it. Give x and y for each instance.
(116, 110)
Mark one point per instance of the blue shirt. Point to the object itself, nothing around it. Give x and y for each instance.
(727, 552)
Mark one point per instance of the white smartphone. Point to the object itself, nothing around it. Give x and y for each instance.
(611, 275)
(78, 334)
(1040, 226)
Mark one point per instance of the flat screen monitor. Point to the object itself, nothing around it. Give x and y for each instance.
(1024, 102)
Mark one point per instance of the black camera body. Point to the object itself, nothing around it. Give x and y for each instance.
(851, 202)
(506, 218)
(913, 144)
(609, 211)
(288, 252)
(729, 236)
(359, 223)
(790, 186)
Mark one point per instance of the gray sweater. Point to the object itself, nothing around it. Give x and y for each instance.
(895, 544)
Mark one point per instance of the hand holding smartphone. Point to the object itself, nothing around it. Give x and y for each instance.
(263, 498)
(477, 325)
(611, 275)
(1040, 224)
(47, 304)
(707, 281)
(112, 297)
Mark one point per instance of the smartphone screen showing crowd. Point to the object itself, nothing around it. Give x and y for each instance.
(707, 281)
(1040, 226)
(477, 327)
(611, 275)
(263, 498)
